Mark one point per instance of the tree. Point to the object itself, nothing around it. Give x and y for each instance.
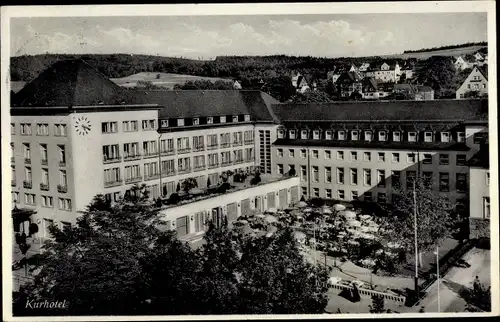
(188, 184)
(280, 88)
(480, 296)
(256, 179)
(438, 72)
(312, 97)
(435, 220)
(178, 187)
(377, 304)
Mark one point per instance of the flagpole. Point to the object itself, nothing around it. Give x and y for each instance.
(438, 284)
(416, 238)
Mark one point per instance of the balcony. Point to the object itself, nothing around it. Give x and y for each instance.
(237, 143)
(167, 173)
(62, 163)
(182, 151)
(152, 176)
(133, 180)
(115, 183)
(199, 148)
(186, 170)
(27, 184)
(168, 152)
(44, 186)
(132, 157)
(212, 166)
(114, 159)
(12, 159)
(225, 145)
(249, 142)
(226, 163)
(212, 147)
(150, 155)
(27, 160)
(238, 161)
(199, 168)
(44, 162)
(13, 183)
(62, 188)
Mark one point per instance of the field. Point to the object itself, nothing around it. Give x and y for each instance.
(166, 80)
(446, 52)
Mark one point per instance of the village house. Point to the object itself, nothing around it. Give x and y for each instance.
(475, 85)
(300, 83)
(348, 83)
(385, 72)
(469, 61)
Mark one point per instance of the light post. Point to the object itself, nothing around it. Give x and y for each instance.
(437, 272)
(416, 238)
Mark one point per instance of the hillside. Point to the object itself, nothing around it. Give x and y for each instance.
(166, 80)
(443, 52)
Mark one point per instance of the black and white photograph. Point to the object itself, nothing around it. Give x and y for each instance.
(227, 161)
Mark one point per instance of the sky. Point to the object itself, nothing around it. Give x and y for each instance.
(205, 37)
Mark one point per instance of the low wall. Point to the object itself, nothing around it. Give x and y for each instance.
(367, 292)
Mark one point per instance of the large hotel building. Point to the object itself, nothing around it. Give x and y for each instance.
(75, 134)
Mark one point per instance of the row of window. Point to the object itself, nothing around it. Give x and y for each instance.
(183, 165)
(42, 129)
(129, 126)
(44, 201)
(44, 180)
(380, 179)
(204, 120)
(444, 158)
(27, 154)
(368, 135)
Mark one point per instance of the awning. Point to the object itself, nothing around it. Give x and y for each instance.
(22, 214)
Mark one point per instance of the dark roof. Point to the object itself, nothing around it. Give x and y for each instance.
(449, 110)
(69, 83)
(200, 103)
(369, 82)
(481, 159)
(483, 70)
(374, 144)
(410, 88)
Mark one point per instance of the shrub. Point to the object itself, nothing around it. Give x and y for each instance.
(174, 199)
(223, 187)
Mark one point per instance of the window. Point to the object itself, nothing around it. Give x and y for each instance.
(367, 177)
(151, 169)
(354, 135)
(29, 199)
(354, 176)
(291, 134)
(316, 192)
(487, 178)
(12, 128)
(382, 136)
(315, 174)
(381, 157)
(354, 195)
(27, 152)
(28, 175)
(328, 135)
(111, 176)
(396, 136)
(411, 158)
(222, 119)
(328, 193)
(340, 175)
(196, 121)
(328, 174)
(291, 153)
(183, 143)
(247, 118)
(340, 155)
(367, 196)
(42, 129)
(341, 135)
(279, 152)
(315, 154)
(444, 181)
(445, 136)
(168, 166)
(427, 178)
(47, 201)
(303, 172)
(480, 137)
(395, 157)
(381, 198)
(303, 134)
(65, 204)
(132, 126)
(461, 159)
(225, 158)
(381, 178)
(210, 120)
(132, 172)
(281, 169)
(444, 159)
(45, 176)
(15, 197)
(148, 125)
(25, 128)
(427, 158)
(199, 142)
(486, 207)
(281, 134)
(427, 137)
(341, 194)
(235, 119)
(367, 156)
(304, 191)
(63, 179)
(396, 178)
(461, 182)
(109, 127)
(303, 153)
(412, 136)
(354, 155)
(180, 122)
(410, 179)
(164, 123)
(461, 136)
(368, 136)
(328, 154)
(211, 141)
(131, 150)
(60, 130)
(316, 134)
(111, 153)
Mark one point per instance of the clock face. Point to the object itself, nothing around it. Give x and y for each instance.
(82, 125)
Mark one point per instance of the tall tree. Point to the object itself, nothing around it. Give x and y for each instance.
(312, 97)
(438, 72)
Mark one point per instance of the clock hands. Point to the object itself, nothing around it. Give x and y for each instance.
(86, 127)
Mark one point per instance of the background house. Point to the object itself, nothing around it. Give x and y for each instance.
(475, 85)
